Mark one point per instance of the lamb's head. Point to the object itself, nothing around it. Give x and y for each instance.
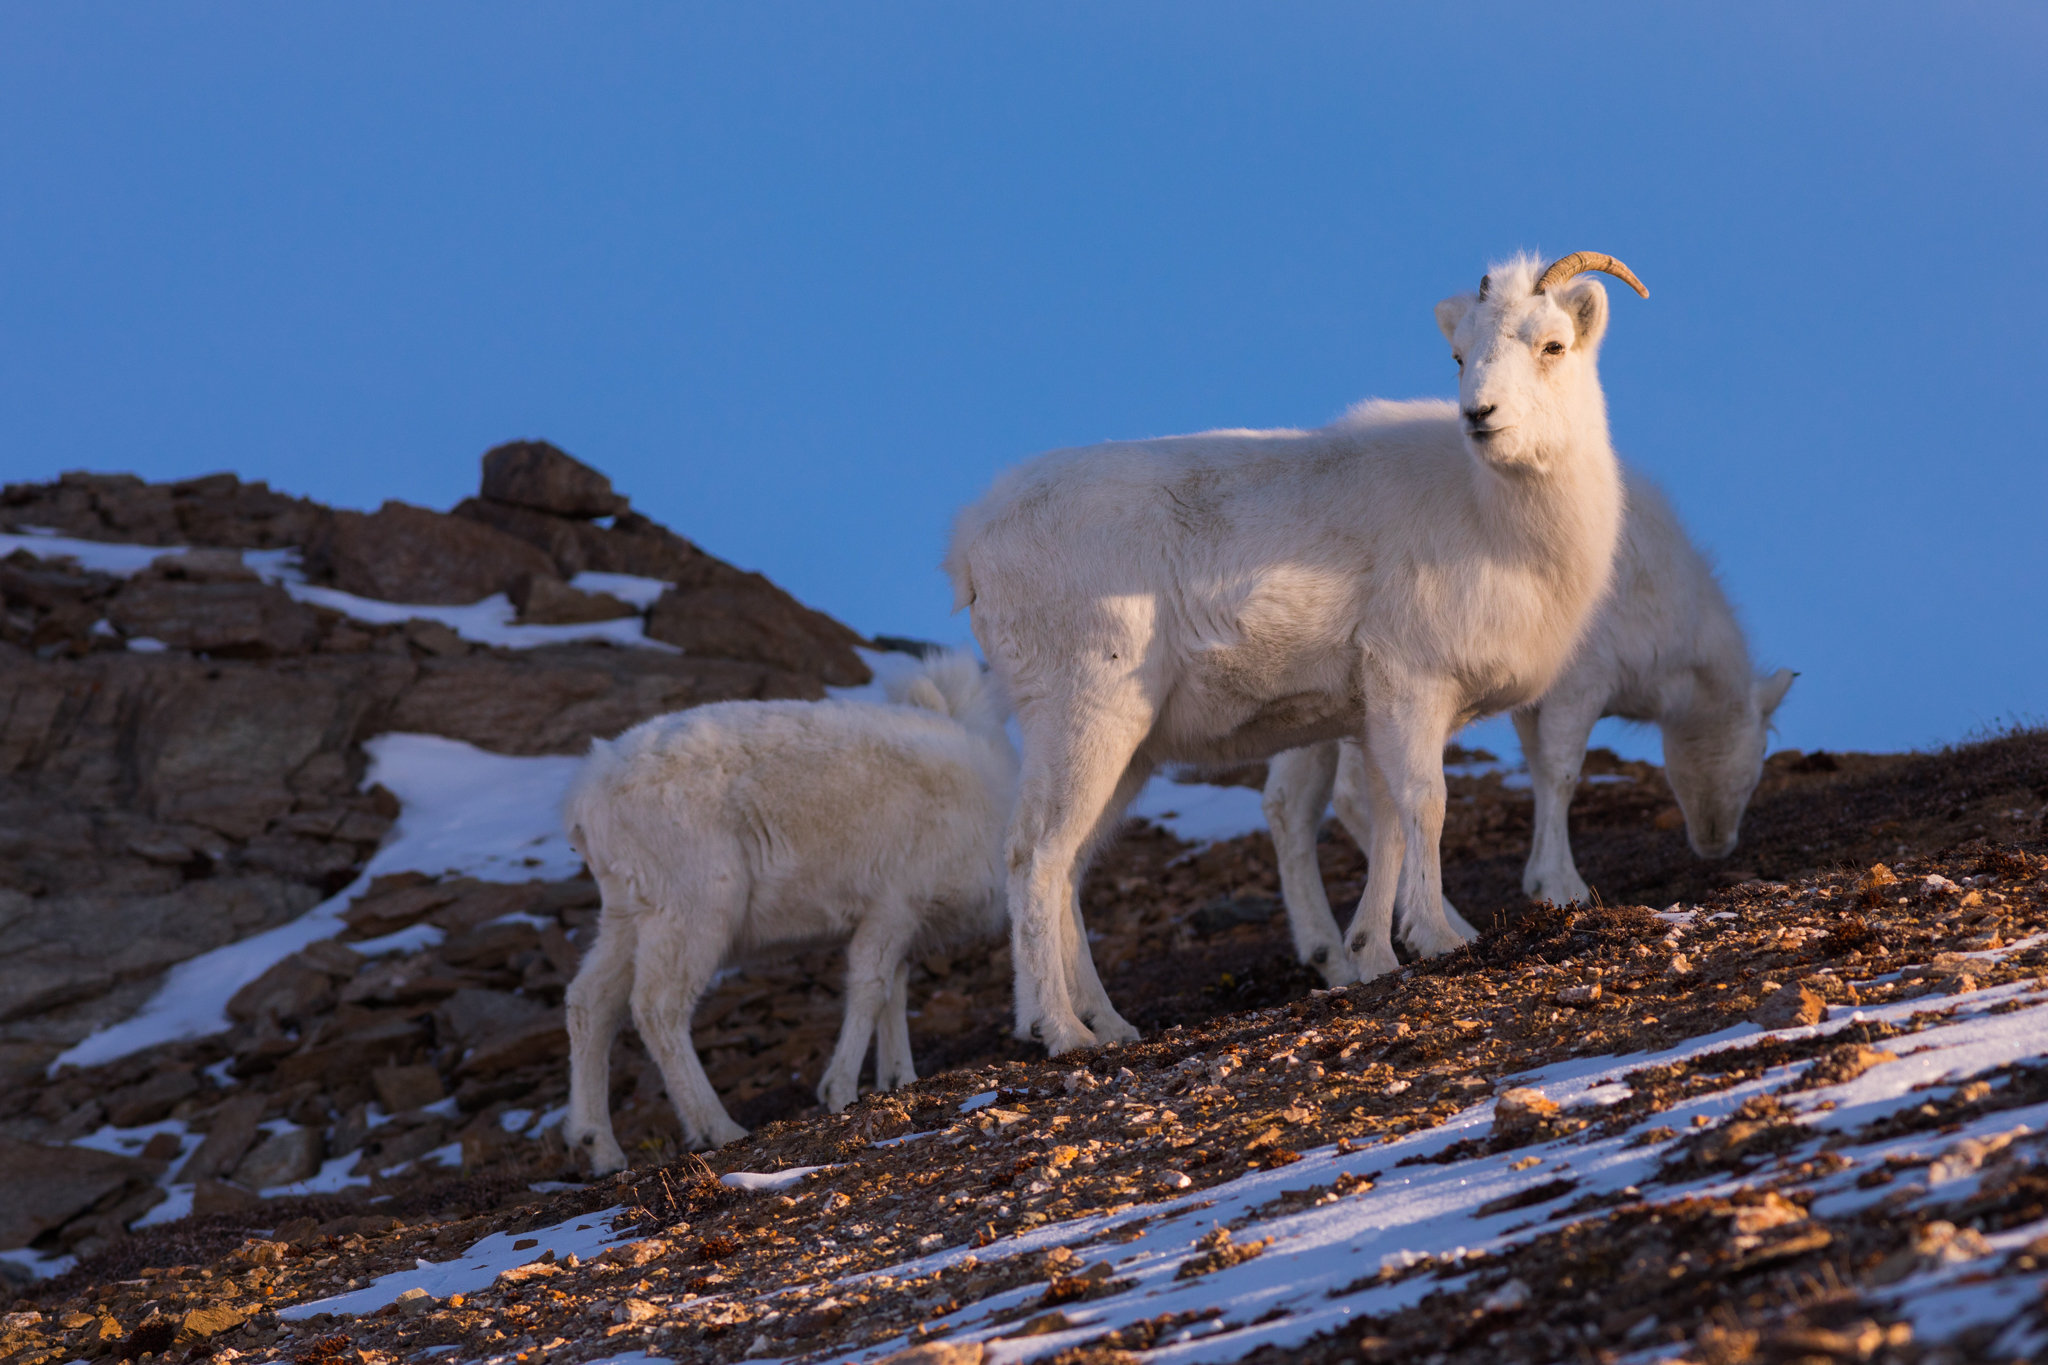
(1713, 762)
(1527, 345)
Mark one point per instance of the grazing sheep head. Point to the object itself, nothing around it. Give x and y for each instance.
(1526, 346)
(1713, 764)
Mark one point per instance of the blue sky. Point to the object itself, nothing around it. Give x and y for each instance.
(802, 278)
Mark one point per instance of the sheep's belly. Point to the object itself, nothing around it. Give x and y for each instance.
(1202, 724)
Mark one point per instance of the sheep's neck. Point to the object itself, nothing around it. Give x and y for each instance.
(1560, 511)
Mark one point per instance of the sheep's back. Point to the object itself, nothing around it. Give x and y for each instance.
(822, 808)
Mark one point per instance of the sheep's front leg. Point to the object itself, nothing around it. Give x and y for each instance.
(596, 1006)
(1076, 755)
(1405, 747)
(893, 1067)
(1554, 734)
(874, 956)
(1298, 786)
(672, 969)
(1354, 811)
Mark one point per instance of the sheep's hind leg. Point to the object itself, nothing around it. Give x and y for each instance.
(1091, 1001)
(674, 966)
(1554, 737)
(1354, 810)
(598, 1001)
(1075, 760)
(893, 1066)
(874, 960)
(1298, 786)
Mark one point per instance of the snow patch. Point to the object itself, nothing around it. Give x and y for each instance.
(465, 812)
(777, 1180)
(582, 1236)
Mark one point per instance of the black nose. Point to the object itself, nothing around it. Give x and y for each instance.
(1475, 416)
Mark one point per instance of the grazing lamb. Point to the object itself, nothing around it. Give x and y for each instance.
(1666, 647)
(744, 828)
(1222, 597)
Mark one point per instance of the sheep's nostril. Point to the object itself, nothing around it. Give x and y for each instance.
(1477, 415)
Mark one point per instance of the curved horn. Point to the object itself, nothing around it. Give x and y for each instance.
(1579, 262)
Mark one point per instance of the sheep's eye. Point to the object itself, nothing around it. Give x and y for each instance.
(1553, 348)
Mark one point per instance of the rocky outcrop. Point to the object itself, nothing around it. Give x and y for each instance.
(218, 510)
(155, 805)
(402, 553)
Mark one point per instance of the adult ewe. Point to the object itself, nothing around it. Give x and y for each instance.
(735, 830)
(1665, 647)
(1222, 597)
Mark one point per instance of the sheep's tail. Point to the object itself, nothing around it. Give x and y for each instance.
(953, 683)
(584, 807)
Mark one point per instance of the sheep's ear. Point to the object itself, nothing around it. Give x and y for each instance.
(1452, 311)
(1585, 303)
(1771, 691)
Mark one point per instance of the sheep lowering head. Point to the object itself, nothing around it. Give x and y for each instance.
(1221, 597)
(744, 828)
(1666, 648)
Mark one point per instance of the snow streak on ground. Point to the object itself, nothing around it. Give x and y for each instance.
(1419, 1210)
(583, 1237)
(493, 621)
(464, 811)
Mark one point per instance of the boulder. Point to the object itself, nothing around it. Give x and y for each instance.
(396, 1144)
(224, 619)
(147, 1101)
(545, 600)
(555, 700)
(389, 906)
(401, 553)
(292, 992)
(755, 621)
(1790, 1007)
(537, 475)
(1520, 1111)
(281, 1159)
(348, 1048)
(499, 1031)
(632, 544)
(231, 1133)
(44, 1187)
(400, 1088)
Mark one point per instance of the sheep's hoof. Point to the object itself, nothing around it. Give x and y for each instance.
(1060, 1040)
(1336, 968)
(1375, 961)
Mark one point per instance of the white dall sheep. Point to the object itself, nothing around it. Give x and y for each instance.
(738, 829)
(1666, 647)
(1222, 597)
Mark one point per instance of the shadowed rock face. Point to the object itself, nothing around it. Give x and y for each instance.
(538, 475)
(402, 553)
(155, 805)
